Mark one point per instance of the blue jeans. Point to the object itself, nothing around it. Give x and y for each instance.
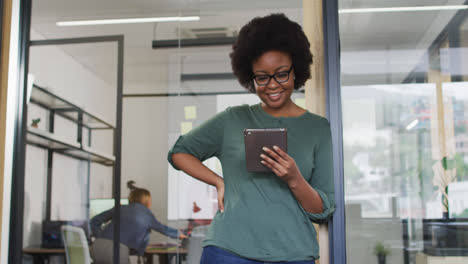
(215, 255)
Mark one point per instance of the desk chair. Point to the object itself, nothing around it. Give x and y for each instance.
(195, 241)
(76, 245)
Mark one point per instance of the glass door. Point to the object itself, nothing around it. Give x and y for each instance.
(403, 84)
(169, 88)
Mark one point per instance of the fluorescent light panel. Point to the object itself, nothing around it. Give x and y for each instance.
(412, 124)
(126, 21)
(402, 9)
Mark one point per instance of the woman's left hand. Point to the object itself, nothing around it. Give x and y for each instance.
(281, 164)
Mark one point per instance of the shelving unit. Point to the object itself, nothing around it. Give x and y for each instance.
(46, 99)
(53, 143)
(47, 140)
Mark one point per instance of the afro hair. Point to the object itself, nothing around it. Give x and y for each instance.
(272, 32)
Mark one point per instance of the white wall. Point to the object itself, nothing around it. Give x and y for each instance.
(144, 150)
(59, 73)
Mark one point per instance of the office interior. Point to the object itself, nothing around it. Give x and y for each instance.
(403, 96)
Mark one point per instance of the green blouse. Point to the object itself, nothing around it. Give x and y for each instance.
(262, 220)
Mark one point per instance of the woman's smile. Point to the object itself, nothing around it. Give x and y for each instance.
(275, 96)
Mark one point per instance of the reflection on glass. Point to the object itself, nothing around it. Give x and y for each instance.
(456, 113)
(405, 135)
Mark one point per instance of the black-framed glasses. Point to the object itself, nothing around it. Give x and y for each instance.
(280, 77)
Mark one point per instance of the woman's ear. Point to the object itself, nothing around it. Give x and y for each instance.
(148, 202)
(252, 86)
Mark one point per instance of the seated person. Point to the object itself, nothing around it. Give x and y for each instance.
(136, 222)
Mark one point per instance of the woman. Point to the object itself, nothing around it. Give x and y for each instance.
(136, 222)
(265, 217)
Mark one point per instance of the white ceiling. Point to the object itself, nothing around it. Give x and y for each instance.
(362, 35)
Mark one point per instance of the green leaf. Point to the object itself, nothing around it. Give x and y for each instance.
(448, 164)
(444, 163)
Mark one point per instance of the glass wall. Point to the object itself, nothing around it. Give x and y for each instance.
(167, 91)
(404, 81)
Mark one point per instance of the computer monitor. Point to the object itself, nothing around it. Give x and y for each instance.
(97, 206)
(51, 233)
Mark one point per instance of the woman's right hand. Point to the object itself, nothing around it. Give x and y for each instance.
(183, 236)
(220, 189)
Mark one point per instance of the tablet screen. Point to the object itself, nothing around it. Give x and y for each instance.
(256, 139)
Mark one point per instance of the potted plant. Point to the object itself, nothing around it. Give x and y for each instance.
(446, 236)
(444, 174)
(35, 122)
(381, 251)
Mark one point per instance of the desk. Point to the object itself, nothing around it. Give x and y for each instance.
(422, 258)
(40, 255)
(165, 254)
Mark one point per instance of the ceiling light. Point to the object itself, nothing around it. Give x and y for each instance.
(412, 124)
(126, 21)
(402, 9)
